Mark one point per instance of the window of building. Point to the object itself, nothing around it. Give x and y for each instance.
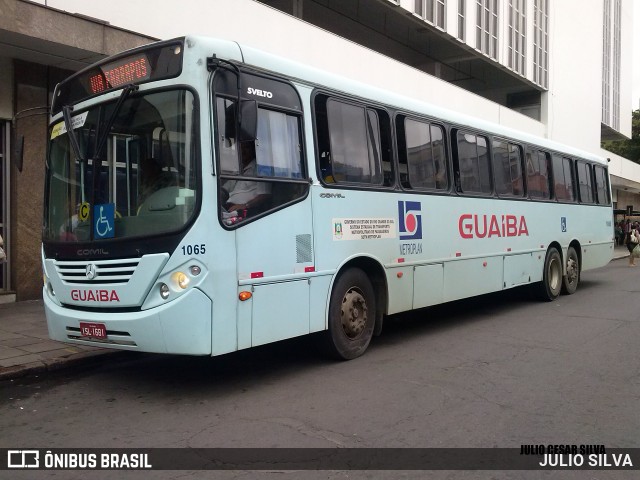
(602, 186)
(517, 36)
(462, 31)
(507, 168)
(473, 170)
(4, 201)
(537, 165)
(616, 65)
(432, 11)
(354, 142)
(541, 43)
(487, 27)
(585, 187)
(563, 179)
(606, 63)
(423, 155)
(611, 56)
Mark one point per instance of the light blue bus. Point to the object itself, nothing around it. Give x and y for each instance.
(204, 197)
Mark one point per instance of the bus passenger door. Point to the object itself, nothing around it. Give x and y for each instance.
(274, 258)
(274, 248)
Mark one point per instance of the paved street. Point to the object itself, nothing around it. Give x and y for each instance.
(497, 371)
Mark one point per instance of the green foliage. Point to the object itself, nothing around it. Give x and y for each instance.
(628, 148)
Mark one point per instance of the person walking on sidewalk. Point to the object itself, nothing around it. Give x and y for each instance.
(3, 255)
(632, 242)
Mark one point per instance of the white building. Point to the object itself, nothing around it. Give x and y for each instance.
(560, 69)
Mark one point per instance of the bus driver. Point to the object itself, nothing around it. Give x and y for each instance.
(246, 194)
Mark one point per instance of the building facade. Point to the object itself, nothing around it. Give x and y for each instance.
(560, 69)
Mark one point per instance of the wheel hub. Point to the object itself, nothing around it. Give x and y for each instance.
(555, 274)
(353, 313)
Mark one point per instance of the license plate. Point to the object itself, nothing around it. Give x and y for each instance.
(93, 330)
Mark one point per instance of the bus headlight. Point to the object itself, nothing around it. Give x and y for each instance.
(176, 281)
(180, 279)
(164, 291)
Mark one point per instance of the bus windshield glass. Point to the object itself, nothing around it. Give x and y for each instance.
(142, 182)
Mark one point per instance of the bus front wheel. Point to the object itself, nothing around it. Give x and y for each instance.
(551, 284)
(352, 314)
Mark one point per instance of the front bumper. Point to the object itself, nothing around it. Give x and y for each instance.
(182, 326)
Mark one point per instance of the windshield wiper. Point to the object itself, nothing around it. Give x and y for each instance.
(104, 134)
(66, 114)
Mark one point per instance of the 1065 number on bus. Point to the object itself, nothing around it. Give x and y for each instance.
(193, 249)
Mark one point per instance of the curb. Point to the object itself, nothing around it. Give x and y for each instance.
(77, 360)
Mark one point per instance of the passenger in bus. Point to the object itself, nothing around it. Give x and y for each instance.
(245, 196)
(67, 229)
(153, 177)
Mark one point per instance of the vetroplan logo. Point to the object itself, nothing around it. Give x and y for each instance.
(410, 220)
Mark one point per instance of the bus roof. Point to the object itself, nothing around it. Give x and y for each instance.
(315, 77)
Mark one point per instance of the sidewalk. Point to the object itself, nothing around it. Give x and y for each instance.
(25, 347)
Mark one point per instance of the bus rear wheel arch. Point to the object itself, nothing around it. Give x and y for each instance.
(352, 315)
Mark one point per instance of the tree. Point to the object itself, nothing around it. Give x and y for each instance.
(629, 149)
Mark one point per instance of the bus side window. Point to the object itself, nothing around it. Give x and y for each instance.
(401, 139)
(225, 112)
(425, 155)
(325, 166)
(261, 175)
(383, 138)
(602, 186)
(354, 142)
(585, 185)
(563, 179)
(507, 168)
(538, 174)
(473, 169)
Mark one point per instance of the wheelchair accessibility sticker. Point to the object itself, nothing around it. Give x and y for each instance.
(103, 218)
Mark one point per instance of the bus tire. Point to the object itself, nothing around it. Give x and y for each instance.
(572, 278)
(551, 276)
(352, 315)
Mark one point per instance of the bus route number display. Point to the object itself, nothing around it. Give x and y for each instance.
(121, 72)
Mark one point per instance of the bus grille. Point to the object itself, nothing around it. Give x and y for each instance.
(114, 272)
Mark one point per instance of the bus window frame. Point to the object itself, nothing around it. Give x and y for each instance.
(571, 161)
(215, 138)
(535, 150)
(607, 189)
(455, 161)
(521, 151)
(401, 141)
(389, 114)
(590, 177)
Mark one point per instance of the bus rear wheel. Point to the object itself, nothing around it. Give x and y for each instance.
(551, 284)
(572, 278)
(352, 314)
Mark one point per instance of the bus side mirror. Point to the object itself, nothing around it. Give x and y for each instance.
(248, 121)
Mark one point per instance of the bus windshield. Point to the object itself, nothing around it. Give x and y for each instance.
(142, 182)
